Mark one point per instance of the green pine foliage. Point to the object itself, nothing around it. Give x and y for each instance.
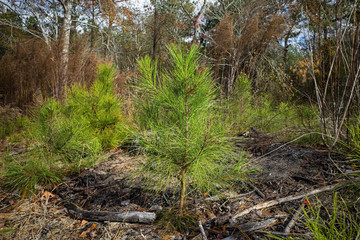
(70, 134)
(238, 106)
(26, 175)
(100, 108)
(68, 137)
(181, 130)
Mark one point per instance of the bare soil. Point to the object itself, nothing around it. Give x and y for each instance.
(283, 170)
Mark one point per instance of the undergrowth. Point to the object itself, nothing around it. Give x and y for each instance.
(245, 109)
(69, 135)
(11, 122)
(351, 149)
(171, 221)
(333, 223)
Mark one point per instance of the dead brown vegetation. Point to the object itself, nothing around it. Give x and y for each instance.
(240, 40)
(30, 72)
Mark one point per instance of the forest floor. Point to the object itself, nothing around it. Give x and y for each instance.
(284, 170)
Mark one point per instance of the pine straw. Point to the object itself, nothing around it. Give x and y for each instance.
(35, 220)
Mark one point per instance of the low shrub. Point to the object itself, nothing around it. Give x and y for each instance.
(27, 174)
(288, 120)
(70, 134)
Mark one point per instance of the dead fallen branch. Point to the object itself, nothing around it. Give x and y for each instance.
(203, 234)
(229, 196)
(294, 219)
(252, 226)
(261, 194)
(285, 199)
(286, 234)
(129, 217)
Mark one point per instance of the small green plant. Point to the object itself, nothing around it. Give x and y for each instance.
(25, 175)
(239, 104)
(351, 149)
(88, 122)
(69, 135)
(334, 224)
(354, 141)
(330, 223)
(69, 138)
(100, 108)
(172, 221)
(181, 130)
(11, 121)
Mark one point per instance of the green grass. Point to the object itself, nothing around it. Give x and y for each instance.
(12, 122)
(335, 222)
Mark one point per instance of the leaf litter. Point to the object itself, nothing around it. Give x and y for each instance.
(284, 170)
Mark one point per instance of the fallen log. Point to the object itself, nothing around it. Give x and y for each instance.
(129, 217)
(284, 199)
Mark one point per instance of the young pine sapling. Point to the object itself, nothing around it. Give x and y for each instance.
(181, 127)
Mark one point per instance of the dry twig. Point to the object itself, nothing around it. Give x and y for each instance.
(293, 219)
(203, 234)
(285, 199)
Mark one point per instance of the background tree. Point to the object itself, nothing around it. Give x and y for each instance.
(333, 61)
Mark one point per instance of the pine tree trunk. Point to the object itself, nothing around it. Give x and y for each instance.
(183, 192)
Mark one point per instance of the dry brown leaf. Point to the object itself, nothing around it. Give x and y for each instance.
(93, 226)
(267, 213)
(84, 233)
(46, 196)
(83, 222)
(167, 237)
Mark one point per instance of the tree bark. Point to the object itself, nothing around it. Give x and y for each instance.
(129, 217)
(65, 45)
(183, 192)
(155, 33)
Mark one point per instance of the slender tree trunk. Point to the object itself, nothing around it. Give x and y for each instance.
(184, 167)
(92, 28)
(108, 39)
(286, 48)
(183, 192)
(155, 32)
(65, 45)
